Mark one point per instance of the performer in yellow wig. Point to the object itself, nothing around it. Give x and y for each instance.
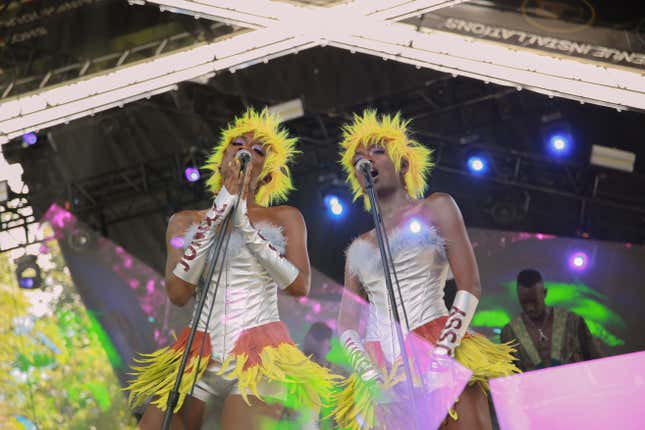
(248, 358)
(427, 239)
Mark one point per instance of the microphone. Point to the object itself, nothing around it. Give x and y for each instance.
(244, 156)
(365, 166)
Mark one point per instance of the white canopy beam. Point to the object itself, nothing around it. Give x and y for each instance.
(364, 26)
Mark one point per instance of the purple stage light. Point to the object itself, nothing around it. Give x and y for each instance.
(192, 174)
(578, 261)
(29, 138)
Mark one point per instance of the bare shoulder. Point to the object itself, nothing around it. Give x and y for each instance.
(365, 236)
(442, 209)
(284, 215)
(368, 236)
(439, 200)
(183, 219)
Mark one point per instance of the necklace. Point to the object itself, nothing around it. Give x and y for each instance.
(543, 337)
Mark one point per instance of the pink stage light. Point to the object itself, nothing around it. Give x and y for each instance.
(600, 394)
(578, 261)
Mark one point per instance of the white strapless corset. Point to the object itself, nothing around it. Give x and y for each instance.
(247, 295)
(422, 269)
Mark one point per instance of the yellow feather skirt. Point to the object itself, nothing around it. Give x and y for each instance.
(354, 405)
(261, 353)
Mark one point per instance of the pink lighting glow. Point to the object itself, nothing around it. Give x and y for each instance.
(578, 261)
(600, 394)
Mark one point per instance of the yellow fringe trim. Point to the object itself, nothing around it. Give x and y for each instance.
(308, 384)
(156, 376)
(484, 358)
(358, 396)
(356, 399)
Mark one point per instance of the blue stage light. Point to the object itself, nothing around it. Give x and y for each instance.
(334, 206)
(560, 144)
(477, 164)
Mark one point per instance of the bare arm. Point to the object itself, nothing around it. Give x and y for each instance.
(350, 311)
(446, 216)
(295, 232)
(353, 299)
(179, 291)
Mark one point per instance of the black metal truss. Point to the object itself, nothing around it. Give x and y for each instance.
(16, 213)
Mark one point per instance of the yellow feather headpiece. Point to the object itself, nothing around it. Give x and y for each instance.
(281, 149)
(391, 131)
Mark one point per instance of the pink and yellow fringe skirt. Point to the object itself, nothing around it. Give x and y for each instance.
(484, 358)
(263, 352)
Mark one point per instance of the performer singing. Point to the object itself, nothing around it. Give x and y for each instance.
(427, 238)
(248, 356)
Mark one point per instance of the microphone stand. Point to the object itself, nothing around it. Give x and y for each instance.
(381, 238)
(213, 257)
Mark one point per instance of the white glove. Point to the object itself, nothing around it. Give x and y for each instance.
(360, 361)
(190, 266)
(279, 268)
(461, 313)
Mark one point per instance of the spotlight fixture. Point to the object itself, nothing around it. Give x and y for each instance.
(557, 135)
(28, 272)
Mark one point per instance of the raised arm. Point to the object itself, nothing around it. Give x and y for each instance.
(178, 290)
(295, 232)
(446, 217)
(184, 268)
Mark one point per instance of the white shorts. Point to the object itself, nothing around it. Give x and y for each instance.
(218, 386)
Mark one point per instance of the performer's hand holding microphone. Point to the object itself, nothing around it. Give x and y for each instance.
(232, 174)
(279, 268)
(190, 266)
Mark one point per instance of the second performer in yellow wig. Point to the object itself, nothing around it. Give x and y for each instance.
(369, 129)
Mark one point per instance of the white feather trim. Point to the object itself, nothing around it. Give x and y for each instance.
(364, 256)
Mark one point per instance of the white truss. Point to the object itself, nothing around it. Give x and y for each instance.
(278, 28)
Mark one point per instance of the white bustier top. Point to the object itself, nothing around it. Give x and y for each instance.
(422, 269)
(247, 295)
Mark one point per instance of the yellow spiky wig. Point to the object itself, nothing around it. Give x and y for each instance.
(281, 149)
(392, 131)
